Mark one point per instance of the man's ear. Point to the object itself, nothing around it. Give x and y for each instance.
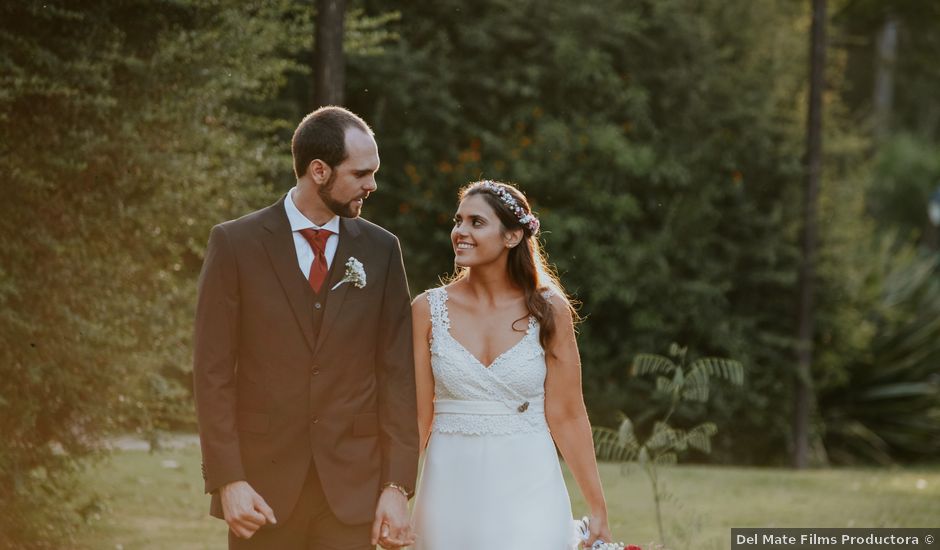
(319, 171)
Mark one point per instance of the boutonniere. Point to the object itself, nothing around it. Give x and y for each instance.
(355, 274)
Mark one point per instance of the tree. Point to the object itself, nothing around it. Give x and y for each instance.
(873, 60)
(804, 399)
(121, 148)
(660, 144)
(329, 63)
(129, 129)
(891, 73)
(883, 93)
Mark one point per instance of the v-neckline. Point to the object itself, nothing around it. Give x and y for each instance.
(467, 351)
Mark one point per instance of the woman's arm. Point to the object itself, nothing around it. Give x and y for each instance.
(568, 420)
(424, 379)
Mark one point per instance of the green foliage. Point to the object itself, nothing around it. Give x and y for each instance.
(876, 349)
(366, 35)
(906, 171)
(129, 129)
(687, 383)
(662, 447)
(886, 404)
(120, 150)
(659, 142)
(916, 105)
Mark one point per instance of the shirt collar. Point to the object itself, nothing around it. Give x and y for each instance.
(298, 221)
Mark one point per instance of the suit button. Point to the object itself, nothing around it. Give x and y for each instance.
(317, 305)
(315, 371)
(315, 420)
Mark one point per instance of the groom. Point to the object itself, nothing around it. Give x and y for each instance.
(303, 366)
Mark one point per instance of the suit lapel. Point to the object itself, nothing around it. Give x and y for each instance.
(278, 241)
(348, 234)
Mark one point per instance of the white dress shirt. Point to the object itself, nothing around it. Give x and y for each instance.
(305, 253)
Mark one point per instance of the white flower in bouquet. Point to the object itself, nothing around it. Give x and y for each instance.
(355, 274)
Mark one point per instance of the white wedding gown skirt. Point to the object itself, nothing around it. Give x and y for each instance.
(489, 492)
(491, 478)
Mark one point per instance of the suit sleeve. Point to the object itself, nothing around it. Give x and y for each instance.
(398, 417)
(214, 362)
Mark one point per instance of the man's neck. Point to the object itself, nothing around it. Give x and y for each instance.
(310, 205)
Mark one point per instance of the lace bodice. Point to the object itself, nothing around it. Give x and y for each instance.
(506, 397)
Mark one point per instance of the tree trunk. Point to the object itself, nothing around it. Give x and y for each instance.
(804, 398)
(884, 77)
(329, 62)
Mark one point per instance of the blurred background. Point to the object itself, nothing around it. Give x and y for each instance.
(663, 143)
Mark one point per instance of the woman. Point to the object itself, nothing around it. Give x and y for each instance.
(497, 367)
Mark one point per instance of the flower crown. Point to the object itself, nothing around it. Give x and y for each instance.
(525, 218)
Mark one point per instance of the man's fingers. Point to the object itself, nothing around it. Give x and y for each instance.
(251, 518)
(240, 530)
(265, 510)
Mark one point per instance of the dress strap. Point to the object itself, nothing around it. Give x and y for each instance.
(437, 300)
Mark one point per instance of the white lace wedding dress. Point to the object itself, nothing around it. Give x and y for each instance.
(491, 478)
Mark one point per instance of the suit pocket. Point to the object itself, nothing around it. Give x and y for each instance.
(365, 424)
(253, 422)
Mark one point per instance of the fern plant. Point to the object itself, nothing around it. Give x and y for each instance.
(885, 407)
(678, 382)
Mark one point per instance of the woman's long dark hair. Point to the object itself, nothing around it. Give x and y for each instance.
(527, 261)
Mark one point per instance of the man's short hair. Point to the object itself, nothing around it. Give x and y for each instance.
(322, 135)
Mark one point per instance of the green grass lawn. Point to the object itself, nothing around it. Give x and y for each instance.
(147, 505)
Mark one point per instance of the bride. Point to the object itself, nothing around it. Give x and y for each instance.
(499, 387)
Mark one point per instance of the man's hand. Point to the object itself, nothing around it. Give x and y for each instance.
(392, 527)
(244, 509)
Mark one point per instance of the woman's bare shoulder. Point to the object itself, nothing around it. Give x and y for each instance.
(421, 307)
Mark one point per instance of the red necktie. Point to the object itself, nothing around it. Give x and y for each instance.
(318, 269)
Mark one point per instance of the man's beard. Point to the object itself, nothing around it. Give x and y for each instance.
(341, 209)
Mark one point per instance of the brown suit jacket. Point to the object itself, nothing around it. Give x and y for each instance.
(271, 395)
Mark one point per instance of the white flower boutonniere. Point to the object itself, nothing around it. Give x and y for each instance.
(355, 274)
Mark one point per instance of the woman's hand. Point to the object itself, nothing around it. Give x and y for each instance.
(598, 530)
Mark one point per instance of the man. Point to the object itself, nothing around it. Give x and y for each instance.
(303, 364)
